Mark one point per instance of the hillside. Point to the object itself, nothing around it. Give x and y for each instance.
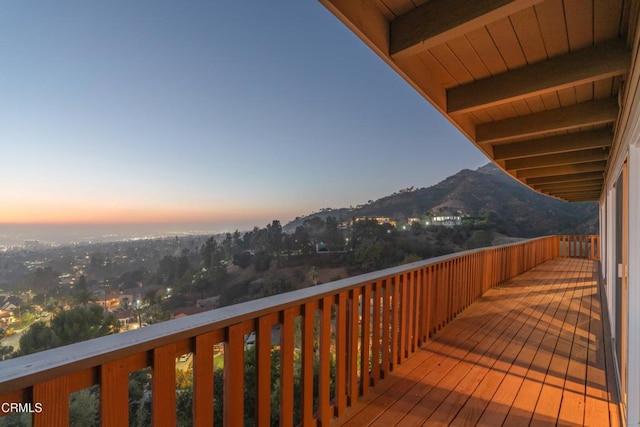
(488, 194)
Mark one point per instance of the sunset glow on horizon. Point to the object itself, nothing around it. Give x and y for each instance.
(171, 113)
(51, 215)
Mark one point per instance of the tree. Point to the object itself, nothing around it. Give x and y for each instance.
(262, 260)
(83, 297)
(332, 236)
(84, 408)
(5, 351)
(38, 337)
(44, 279)
(274, 236)
(242, 260)
(168, 268)
(82, 283)
(479, 239)
(67, 327)
(81, 324)
(302, 240)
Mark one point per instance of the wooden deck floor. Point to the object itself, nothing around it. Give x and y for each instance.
(531, 352)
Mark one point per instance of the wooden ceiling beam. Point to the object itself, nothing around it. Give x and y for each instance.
(577, 191)
(584, 199)
(438, 21)
(565, 118)
(588, 195)
(559, 159)
(576, 194)
(574, 184)
(592, 188)
(555, 144)
(576, 177)
(598, 62)
(562, 170)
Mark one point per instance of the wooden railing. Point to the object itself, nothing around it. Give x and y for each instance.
(579, 247)
(348, 334)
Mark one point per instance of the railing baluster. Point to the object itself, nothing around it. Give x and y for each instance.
(203, 378)
(405, 306)
(163, 385)
(286, 367)
(234, 376)
(395, 322)
(354, 332)
(375, 340)
(308, 320)
(324, 368)
(365, 339)
(114, 392)
(386, 326)
(263, 370)
(341, 354)
(417, 286)
(53, 395)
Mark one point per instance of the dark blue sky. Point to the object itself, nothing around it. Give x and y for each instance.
(226, 113)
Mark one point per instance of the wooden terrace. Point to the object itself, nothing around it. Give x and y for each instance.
(530, 352)
(501, 335)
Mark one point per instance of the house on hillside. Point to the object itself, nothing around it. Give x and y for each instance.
(445, 220)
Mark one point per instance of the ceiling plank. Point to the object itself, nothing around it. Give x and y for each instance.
(562, 170)
(577, 194)
(555, 144)
(583, 176)
(583, 199)
(573, 194)
(587, 189)
(557, 159)
(438, 21)
(604, 60)
(565, 118)
(576, 184)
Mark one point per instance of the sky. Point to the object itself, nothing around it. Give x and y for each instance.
(224, 114)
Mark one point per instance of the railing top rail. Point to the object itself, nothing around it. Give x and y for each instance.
(35, 368)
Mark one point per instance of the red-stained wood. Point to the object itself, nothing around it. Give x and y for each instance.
(114, 392)
(352, 356)
(386, 325)
(324, 370)
(203, 377)
(417, 310)
(308, 319)
(263, 368)
(341, 352)
(409, 305)
(286, 367)
(163, 389)
(234, 376)
(365, 340)
(395, 322)
(375, 334)
(505, 358)
(53, 396)
(409, 309)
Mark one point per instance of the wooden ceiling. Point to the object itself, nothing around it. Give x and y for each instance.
(535, 84)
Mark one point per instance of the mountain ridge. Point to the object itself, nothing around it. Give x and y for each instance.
(486, 193)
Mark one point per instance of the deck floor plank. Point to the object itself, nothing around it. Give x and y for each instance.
(531, 351)
(426, 396)
(448, 409)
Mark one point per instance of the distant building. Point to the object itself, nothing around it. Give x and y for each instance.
(447, 220)
(379, 219)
